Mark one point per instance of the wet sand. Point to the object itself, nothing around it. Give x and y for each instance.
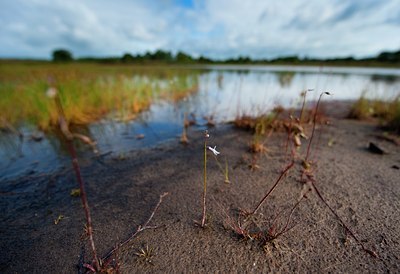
(362, 187)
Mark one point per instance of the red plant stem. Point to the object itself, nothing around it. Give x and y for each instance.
(285, 228)
(69, 139)
(85, 203)
(372, 253)
(313, 129)
(203, 220)
(273, 187)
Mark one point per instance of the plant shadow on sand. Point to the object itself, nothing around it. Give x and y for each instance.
(360, 186)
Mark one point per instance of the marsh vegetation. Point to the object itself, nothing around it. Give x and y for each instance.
(88, 92)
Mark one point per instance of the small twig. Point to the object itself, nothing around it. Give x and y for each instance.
(138, 230)
(154, 211)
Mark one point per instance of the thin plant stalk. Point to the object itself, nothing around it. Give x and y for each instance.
(69, 140)
(283, 173)
(370, 252)
(203, 220)
(313, 129)
(302, 107)
(287, 143)
(286, 227)
(224, 171)
(312, 181)
(84, 200)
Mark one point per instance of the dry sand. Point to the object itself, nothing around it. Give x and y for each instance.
(363, 188)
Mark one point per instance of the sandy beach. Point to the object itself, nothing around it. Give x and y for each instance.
(361, 186)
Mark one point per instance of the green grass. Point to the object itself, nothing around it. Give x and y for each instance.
(88, 91)
(388, 112)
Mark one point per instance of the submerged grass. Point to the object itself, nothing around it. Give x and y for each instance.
(88, 92)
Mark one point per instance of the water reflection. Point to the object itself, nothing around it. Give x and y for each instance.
(384, 78)
(223, 92)
(285, 78)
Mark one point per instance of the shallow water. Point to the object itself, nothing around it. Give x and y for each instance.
(224, 92)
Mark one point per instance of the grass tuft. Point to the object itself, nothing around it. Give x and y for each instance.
(388, 112)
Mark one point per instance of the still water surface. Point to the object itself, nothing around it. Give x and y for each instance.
(224, 92)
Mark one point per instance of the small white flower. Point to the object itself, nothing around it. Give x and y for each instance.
(214, 150)
(206, 135)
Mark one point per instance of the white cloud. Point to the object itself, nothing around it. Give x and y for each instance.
(215, 28)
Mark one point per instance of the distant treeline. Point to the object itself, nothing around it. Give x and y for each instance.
(166, 57)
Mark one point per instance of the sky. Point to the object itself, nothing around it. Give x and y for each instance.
(216, 29)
